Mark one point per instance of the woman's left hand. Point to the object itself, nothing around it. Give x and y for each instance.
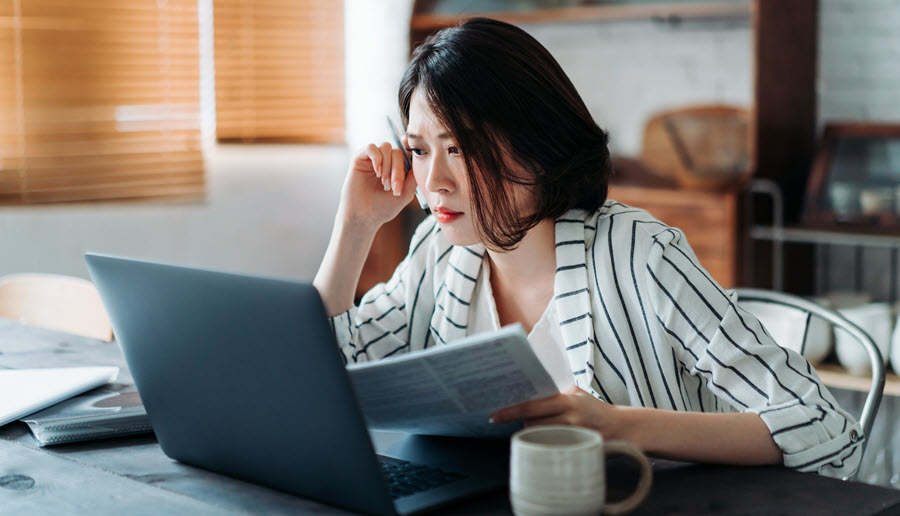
(573, 407)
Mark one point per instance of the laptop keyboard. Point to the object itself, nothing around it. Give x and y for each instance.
(406, 478)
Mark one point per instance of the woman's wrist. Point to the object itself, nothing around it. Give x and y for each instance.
(726, 438)
(626, 424)
(342, 265)
(355, 225)
(650, 429)
(639, 426)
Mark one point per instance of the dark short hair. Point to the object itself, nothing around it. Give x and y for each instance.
(509, 106)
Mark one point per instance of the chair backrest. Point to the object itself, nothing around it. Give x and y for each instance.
(787, 325)
(792, 302)
(63, 303)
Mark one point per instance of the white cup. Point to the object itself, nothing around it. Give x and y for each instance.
(844, 198)
(895, 346)
(875, 319)
(561, 470)
(874, 201)
(790, 329)
(819, 336)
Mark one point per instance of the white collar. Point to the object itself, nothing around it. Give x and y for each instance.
(574, 233)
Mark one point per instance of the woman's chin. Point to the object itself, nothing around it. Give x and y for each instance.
(459, 238)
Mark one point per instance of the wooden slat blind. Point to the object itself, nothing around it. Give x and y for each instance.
(279, 70)
(99, 100)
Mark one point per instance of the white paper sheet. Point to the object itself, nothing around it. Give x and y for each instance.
(24, 391)
(453, 390)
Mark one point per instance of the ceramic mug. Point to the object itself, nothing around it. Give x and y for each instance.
(895, 346)
(875, 320)
(844, 198)
(561, 470)
(786, 326)
(819, 335)
(794, 329)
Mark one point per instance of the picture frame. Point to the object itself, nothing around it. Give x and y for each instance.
(854, 181)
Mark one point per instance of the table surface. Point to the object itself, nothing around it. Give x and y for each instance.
(132, 475)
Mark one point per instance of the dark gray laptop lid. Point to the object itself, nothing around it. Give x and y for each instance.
(230, 387)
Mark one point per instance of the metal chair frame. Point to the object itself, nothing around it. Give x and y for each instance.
(873, 398)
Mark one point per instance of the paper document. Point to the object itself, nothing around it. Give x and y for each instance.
(23, 391)
(452, 390)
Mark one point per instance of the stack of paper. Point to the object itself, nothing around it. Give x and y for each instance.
(23, 391)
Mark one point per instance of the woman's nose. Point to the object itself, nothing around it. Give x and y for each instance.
(439, 178)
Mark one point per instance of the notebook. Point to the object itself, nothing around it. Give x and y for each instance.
(110, 410)
(28, 390)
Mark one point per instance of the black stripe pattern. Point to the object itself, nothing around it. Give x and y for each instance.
(640, 323)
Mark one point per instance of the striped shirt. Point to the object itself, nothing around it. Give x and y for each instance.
(642, 324)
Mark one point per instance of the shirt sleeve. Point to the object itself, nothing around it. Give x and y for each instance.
(381, 325)
(743, 366)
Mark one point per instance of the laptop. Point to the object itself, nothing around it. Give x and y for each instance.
(242, 375)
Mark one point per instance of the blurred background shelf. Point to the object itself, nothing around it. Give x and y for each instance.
(437, 18)
(833, 375)
(806, 250)
(806, 235)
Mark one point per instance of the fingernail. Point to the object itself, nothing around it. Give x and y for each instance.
(396, 190)
(386, 188)
(378, 172)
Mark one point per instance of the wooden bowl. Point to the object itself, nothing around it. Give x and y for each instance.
(699, 147)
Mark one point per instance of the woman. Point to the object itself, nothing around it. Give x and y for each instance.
(515, 171)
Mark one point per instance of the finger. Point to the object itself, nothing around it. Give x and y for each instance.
(374, 155)
(532, 409)
(409, 185)
(567, 419)
(386, 164)
(398, 169)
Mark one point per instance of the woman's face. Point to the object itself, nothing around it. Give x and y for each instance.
(441, 174)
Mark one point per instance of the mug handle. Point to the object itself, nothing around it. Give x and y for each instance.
(643, 486)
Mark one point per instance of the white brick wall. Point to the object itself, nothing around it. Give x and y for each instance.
(859, 60)
(628, 70)
(625, 71)
(859, 79)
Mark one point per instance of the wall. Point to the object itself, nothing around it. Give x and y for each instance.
(269, 208)
(377, 50)
(859, 60)
(627, 70)
(859, 79)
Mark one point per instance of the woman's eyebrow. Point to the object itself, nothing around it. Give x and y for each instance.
(414, 136)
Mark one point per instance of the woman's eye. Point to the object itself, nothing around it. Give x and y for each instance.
(416, 152)
(453, 150)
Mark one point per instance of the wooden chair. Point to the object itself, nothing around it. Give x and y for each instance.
(63, 303)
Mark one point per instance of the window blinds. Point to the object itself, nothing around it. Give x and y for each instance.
(99, 100)
(279, 70)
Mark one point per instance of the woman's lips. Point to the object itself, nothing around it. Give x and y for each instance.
(446, 216)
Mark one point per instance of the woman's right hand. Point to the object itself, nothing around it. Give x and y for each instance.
(377, 187)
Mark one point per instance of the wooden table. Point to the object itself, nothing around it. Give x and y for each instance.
(132, 475)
